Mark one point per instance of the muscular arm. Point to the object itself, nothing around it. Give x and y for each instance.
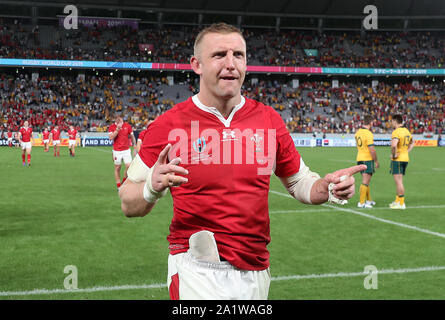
(411, 145)
(319, 192)
(113, 134)
(133, 203)
(145, 185)
(307, 186)
(394, 143)
(133, 140)
(138, 145)
(373, 155)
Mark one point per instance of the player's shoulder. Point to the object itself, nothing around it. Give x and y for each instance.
(359, 132)
(406, 131)
(396, 132)
(368, 133)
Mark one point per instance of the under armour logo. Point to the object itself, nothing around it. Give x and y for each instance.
(230, 133)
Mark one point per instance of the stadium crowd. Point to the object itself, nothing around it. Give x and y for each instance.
(90, 103)
(266, 46)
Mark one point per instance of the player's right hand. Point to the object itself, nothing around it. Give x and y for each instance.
(377, 164)
(164, 172)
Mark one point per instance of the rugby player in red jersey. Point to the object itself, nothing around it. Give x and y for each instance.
(72, 140)
(55, 137)
(45, 137)
(121, 133)
(25, 137)
(9, 135)
(215, 152)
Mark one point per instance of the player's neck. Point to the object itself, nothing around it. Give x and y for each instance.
(224, 106)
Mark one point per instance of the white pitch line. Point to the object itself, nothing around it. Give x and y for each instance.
(281, 194)
(86, 290)
(161, 285)
(98, 149)
(356, 274)
(368, 210)
(403, 225)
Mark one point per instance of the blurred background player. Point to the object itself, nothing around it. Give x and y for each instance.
(55, 137)
(9, 135)
(121, 133)
(72, 140)
(141, 137)
(45, 137)
(25, 137)
(367, 155)
(401, 144)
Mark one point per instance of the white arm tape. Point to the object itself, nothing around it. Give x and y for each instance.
(140, 172)
(300, 184)
(332, 198)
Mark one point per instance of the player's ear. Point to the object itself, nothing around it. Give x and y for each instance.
(196, 65)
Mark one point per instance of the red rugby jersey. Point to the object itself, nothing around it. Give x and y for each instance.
(122, 140)
(26, 134)
(72, 134)
(56, 134)
(45, 135)
(142, 135)
(225, 193)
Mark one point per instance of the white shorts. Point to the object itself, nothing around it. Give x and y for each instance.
(26, 145)
(192, 279)
(9, 140)
(46, 141)
(56, 142)
(71, 143)
(124, 155)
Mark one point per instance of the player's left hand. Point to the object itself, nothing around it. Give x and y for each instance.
(344, 182)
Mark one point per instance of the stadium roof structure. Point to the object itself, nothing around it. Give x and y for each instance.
(307, 14)
(315, 8)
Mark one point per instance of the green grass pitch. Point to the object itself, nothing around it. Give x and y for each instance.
(66, 211)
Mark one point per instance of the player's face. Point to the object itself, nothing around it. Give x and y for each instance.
(221, 63)
(25, 124)
(394, 124)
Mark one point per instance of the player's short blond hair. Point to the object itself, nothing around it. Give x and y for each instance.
(219, 27)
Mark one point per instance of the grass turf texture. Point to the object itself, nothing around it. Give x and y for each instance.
(66, 211)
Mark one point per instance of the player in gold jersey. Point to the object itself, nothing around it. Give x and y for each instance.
(366, 154)
(401, 144)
